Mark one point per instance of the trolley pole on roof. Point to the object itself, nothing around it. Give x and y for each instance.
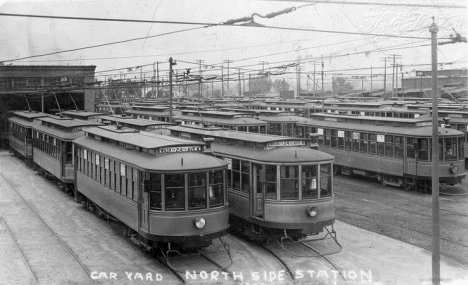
(435, 161)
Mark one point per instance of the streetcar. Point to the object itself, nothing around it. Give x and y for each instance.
(83, 115)
(156, 127)
(20, 135)
(278, 187)
(53, 150)
(166, 190)
(395, 151)
(245, 122)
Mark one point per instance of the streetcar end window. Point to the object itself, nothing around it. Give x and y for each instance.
(216, 188)
(309, 182)
(325, 180)
(175, 192)
(197, 190)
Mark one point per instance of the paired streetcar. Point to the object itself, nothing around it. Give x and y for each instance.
(278, 186)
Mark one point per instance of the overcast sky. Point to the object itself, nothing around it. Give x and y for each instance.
(244, 46)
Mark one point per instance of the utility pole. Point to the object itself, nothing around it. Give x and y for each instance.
(394, 66)
(263, 71)
(171, 63)
(433, 29)
(222, 81)
(154, 78)
(323, 91)
(315, 85)
(250, 94)
(371, 78)
(239, 85)
(396, 81)
(402, 79)
(200, 87)
(157, 79)
(228, 61)
(243, 81)
(385, 77)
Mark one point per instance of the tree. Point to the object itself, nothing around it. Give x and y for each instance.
(260, 85)
(341, 86)
(281, 85)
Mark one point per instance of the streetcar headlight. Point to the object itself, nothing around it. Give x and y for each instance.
(453, 169)
(200, 223)
(312, 211)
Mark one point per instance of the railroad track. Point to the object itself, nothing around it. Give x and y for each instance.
(414, 230)
(393, 207)
(62, 242)
(20, 252)
(179, 273)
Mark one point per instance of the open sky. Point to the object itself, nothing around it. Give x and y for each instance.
(336, 32)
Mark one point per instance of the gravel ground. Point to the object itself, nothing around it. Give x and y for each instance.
(404, 215)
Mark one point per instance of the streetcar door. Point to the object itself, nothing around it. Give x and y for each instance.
(257, 189)
(410, 164)
(144, 202)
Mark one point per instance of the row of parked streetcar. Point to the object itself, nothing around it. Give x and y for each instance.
(186, 187)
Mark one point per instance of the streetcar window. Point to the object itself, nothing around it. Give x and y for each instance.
(325, 180)
(270, 182)
(348, 140)
(372, 143)
(242, 128)
(135, 184)
(398, 146)
(410, 152)
(450, 149)
(423, 153)
(123, 180)
(389, 146)
(155, 191)
(309, 182)
(175, 191)
(263, 129)
(236, 177)
(334, 138)
(216, 189)
(363, 143)
(253, 129)
(355, 141)
(128, 182)
(275, 129)
(197, 190)
(327, 138)
(461, 154)
(289, 183)
(289, 130)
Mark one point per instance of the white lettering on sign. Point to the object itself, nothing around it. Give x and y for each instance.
(106, 163)
(341, 134)
(97, 159)
(355, 136)
(423, 124)
(229, 161)
(286, 143)
(179, 149)
(320, 131)
(86, 154)
(380, 138)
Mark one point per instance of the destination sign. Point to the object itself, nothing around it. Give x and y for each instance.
(286, 143)
(179, 149)
(423, 124)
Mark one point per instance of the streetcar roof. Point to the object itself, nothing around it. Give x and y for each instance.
(135, 122)
(29, 115)
(275, 155)
(236, 135)
(82, 114)
(173, 162)
(63, 128)
(423, 131)
(222, 121)
(135, 138)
